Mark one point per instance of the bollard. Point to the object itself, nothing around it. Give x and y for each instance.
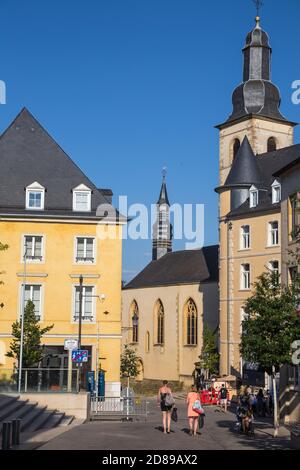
(6, 435)
(16, 428)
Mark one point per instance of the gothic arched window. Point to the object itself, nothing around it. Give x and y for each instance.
(236, 147)
(272, 144)
(191, 319)
(160, 322)
(134, 313)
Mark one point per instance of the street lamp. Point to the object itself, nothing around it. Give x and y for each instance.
(22, 320)
(101, 297)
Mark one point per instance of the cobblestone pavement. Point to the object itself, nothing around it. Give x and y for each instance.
(218, 434)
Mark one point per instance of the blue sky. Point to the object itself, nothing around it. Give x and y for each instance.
(129, 86)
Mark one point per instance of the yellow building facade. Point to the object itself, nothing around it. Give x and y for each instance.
(255, 142)
(52, 245)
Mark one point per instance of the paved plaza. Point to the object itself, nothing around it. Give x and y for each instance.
(218, 434)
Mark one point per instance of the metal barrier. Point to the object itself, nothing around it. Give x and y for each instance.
(123, 408)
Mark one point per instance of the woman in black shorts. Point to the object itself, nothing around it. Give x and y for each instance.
(165, 395)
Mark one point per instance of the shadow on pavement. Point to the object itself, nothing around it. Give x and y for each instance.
(258, 441)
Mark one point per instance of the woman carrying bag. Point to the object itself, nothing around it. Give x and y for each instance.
(194, 410)
(166, 402)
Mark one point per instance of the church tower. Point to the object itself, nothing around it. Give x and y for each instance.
(256, 126)
(256, 106)
(162, 228)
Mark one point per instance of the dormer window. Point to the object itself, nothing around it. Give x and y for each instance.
(276, 192)
(35, 197)
(253, 193)
(82, 199)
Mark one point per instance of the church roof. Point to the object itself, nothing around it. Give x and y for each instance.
(179, 267)
(270, 164)
(245, 170)
(29, 154)
(163, 195)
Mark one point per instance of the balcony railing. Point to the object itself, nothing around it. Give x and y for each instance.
(38, 380)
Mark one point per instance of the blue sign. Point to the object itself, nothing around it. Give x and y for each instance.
(80, 355)
(91, 381)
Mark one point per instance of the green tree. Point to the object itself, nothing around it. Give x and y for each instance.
(2, 248)
(129, 363)
(270, 326)
(33, 333)
(209, 357)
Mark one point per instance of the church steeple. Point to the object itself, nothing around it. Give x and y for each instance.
(257, 95)
(162, 228)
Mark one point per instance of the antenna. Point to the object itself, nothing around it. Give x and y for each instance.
(258, 4)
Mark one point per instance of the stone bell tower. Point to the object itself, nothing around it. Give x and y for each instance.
(162, 228)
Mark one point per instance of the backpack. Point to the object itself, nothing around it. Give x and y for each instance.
(169, 400)
(223, 393)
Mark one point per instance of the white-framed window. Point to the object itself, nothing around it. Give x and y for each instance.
(245, 237)
(82, 196)
(276, 192)
(273, 233)
(33, 248)
(35, 197)
(274, 266)
(253, 196)
(85, 250)
(88, 303)
(245, 276)
(33, 292)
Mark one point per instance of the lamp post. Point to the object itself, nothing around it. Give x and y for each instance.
(22, 320)
(79, 327)
(81, 296)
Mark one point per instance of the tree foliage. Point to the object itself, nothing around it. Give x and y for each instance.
(209, 357)
(33, 333)
(129, 363)
(271, 322)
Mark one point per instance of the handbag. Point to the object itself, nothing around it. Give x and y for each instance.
(201, 420)
(174, 415)
(169, 400)
(197, 407)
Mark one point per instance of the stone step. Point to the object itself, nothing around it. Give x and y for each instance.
(22, 412)
(54, 420)
(12, 408)
(6, 400)
(30, 417)
(41, 421)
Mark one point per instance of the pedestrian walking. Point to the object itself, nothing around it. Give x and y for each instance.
(166, 402)
(194, 408)
(223, 394)
(260, 403)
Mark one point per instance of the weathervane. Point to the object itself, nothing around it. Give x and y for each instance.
(258, 4)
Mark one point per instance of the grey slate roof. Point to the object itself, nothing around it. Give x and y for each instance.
(29, 154)
(270, 165)
(163, 195)
(256, 95)
(245, 170)
(179, 267)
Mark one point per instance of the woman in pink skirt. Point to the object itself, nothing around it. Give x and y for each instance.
(193, 416)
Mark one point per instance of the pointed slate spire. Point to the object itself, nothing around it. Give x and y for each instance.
(163, 195)
(245, 170)
(162, 228)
